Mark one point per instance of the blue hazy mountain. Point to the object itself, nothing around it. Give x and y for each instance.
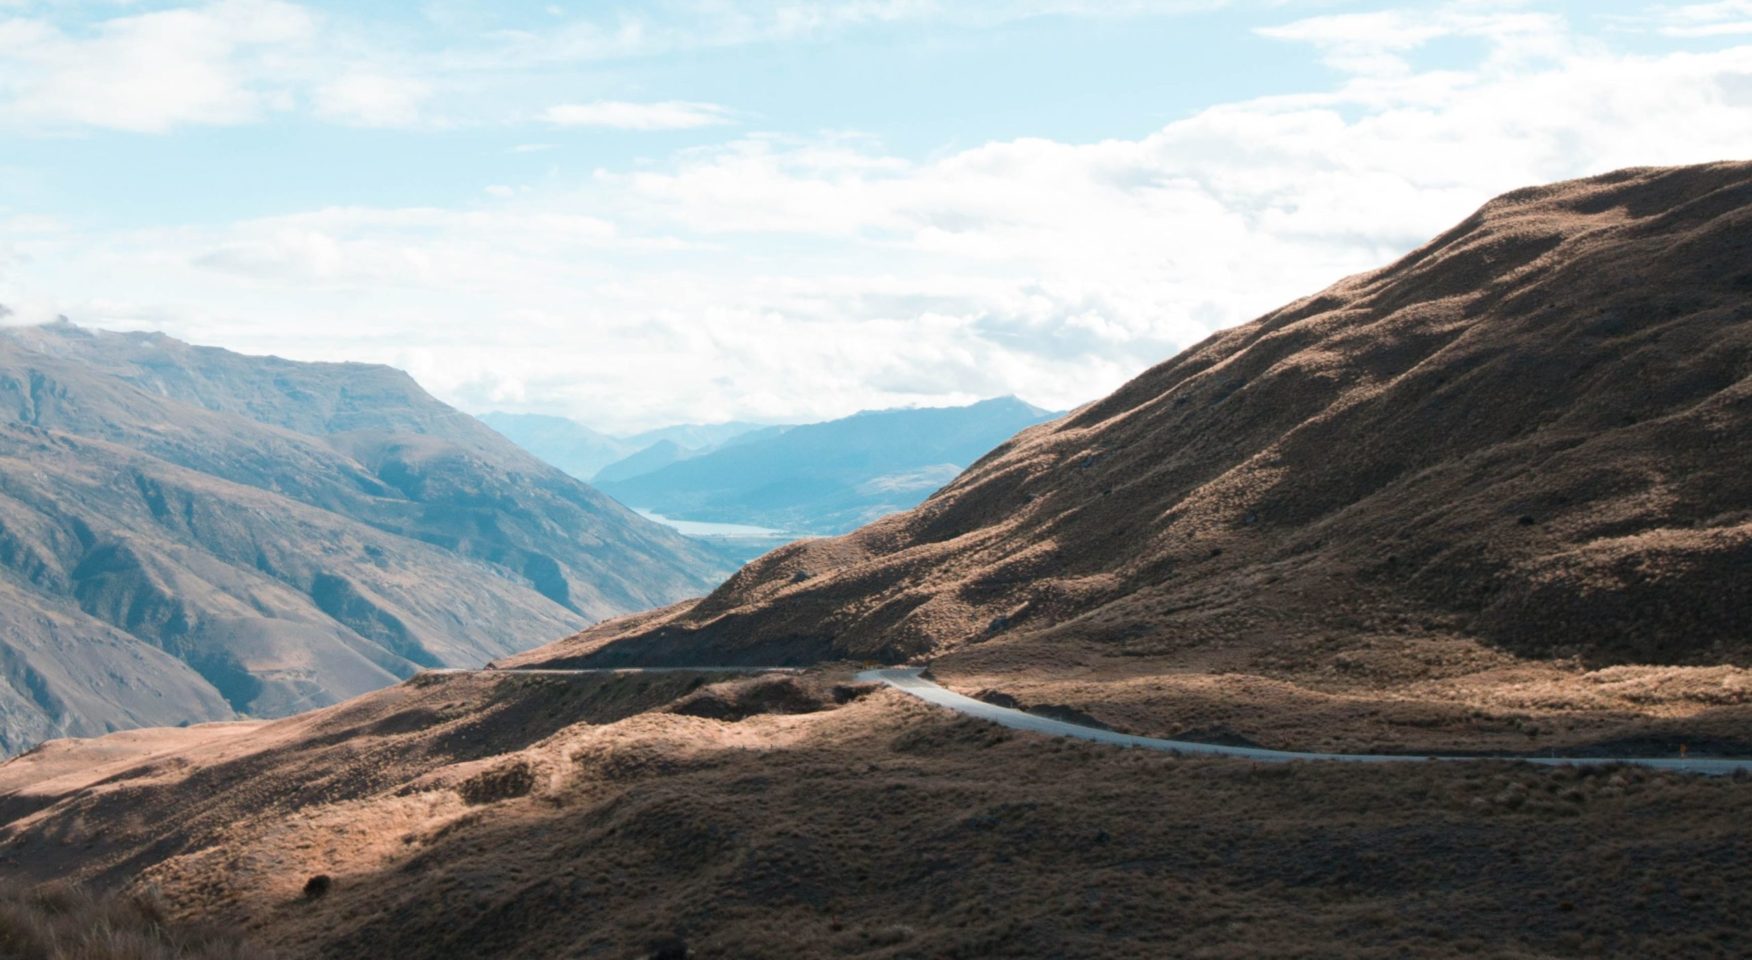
(583, 452)
(827, 477)
(567, 444)
(698, 437)
(654, 457)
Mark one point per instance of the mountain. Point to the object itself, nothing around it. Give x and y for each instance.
(827, 477)
(697, 437)
(654, 457)
(567, 444)
(1490, 498)
(583, 452)
(187, 532)
(1529, 438)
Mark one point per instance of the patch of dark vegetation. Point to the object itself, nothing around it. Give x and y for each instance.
(525, 708)
(1066, 714)
(318, 886)
(515, 779)
(998, 698)
(747, 697)
(1220, 735)
(682, 646)
(844, 693)
(1051, 711)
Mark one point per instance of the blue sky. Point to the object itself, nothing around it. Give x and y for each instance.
(642, 213)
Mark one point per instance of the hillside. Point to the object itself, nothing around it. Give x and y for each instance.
(509, 815)
(1489, 498)
(1516, 454)
(187, 532)
(824, 477)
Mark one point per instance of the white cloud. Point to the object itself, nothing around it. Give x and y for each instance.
(368, 99)
(670, 26)
(210, 64)
(623, 115)
(784, 277)
(1378, 43)
(225, 62)
(1725, 18)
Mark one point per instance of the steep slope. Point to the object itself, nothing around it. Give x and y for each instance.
(1530, 438)
(289, 534)
(827, 477)
(62, 671)
(567, 444)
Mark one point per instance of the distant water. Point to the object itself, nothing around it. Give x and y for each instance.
(703, 528)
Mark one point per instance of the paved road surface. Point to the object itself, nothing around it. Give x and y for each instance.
(907, 679)
(593, 671)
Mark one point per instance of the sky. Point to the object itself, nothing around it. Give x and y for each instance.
(636, 214)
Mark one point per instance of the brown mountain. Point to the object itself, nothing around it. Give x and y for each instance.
(1492, 497)
(1533, 435)
(185, 532)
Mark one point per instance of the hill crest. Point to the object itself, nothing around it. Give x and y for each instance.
(1527, 436)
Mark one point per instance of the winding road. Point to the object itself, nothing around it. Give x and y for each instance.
(908, 680)
(597, 671)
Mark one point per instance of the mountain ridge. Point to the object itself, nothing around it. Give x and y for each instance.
(283, 563)
(1500, 342)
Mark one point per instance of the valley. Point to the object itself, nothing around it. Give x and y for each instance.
(748, 489)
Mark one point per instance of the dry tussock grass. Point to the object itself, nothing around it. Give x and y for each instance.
(65, 922)
(884, 828)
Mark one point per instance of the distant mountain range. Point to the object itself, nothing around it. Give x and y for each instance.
(654, 457)
(186, 533)
(583, 452)
(821, 478)
(567, 444)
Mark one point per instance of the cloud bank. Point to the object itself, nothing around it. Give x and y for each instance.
(806, 276)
